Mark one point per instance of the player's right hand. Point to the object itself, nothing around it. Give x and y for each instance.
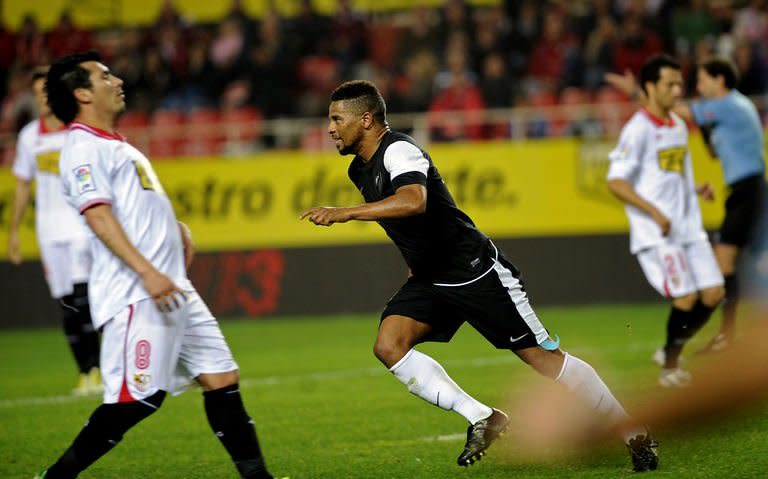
(164, 292)
(664, 224)
(625, 83)
(14, 248)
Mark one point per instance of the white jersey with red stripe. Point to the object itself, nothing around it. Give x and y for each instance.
(652, 155)
(37, 158)
(99, 167)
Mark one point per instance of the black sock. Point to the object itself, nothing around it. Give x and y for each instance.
(732, 293)
(88, 335)
(677, 334)
(699, 317)
(73, 331)
(102, 432)
(234, 428)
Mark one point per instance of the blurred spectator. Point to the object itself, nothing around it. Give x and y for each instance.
(496, 85)
(227, 55)
(249, 25)
(456, 55)
(691, 23)
(460, 94)
(554, 61)
(66, 38)
(30, 44)
(588, 14)
(273, 74)
(455, 16)
(154, 83)
(18, 106)
(309, 31)
(636, 43)
(194, 91)
(524, 31)
(416, 85)
(7, 54)
(491, 36)
(703, 50)
(349, 33)
(751, 23)
(751, 68)
(598, 51)
(420, 34)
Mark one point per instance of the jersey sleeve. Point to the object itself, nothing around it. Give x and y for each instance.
(706, 112)
(24, 163)
(626, 157)
(406, 164)
(85, 176)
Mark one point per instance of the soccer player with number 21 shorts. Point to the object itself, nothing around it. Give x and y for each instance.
(651, 173)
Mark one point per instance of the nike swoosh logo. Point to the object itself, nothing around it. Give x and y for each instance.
(516, 339)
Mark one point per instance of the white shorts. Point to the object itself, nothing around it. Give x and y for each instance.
(678, 270)
(66, 263)
(144, 350)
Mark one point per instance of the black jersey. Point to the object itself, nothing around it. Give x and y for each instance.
(442, 244)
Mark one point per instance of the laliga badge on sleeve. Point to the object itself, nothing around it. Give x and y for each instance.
(84, 179)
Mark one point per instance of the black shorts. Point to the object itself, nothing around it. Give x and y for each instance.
(743, 208)
(496, 305)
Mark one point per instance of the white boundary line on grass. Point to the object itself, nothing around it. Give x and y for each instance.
(317, 376)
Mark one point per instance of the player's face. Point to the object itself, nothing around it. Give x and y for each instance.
(106, 89)
(668, 90)
(41, 98)
(345, 127)
(706, 84)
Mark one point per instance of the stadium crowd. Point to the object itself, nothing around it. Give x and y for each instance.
(456, 57)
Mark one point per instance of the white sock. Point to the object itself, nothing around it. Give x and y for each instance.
(582, 379)
(427, 379)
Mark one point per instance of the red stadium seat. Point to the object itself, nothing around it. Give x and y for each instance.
(134, 125)
(242, 124)
(384, 38)
(132, 119)
(318, 73)
(167, 133)
(575, 96)
(540, 120)
(613, 109)
(204, 124)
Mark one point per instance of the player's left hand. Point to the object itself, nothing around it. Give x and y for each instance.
(189, 245)
(326, 215)
(706, 191)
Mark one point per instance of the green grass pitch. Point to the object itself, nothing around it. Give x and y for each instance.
(325, 408)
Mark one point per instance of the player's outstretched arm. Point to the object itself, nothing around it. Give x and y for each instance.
(408, 200)
(626, 84)
(106, 227)
(20, 201)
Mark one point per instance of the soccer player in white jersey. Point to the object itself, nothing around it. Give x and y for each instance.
(455, 275)
(651, 173)
(62, 235)
(158, 334)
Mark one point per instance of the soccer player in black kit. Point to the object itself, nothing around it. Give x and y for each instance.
(456, 275)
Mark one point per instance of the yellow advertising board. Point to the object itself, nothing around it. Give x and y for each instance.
(510, 189)
(145, 12)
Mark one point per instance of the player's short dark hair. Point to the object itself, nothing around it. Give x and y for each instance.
(64, 77)
(39, 72)
(651, 71)
(718, 66)
(365, 98)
